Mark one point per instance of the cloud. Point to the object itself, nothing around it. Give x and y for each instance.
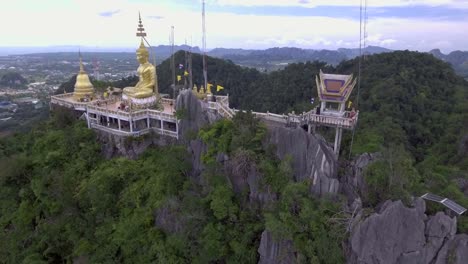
(155, 17)
(80, 23)
(109, 13)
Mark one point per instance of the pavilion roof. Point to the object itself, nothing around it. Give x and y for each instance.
(334, 87)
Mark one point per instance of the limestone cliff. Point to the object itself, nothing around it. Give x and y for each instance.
(312, 158)
(275, 251)
(352, 183)
(399, 234)
(194, 114)
(129, 147)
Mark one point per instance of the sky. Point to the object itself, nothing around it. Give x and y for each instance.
(249, 24)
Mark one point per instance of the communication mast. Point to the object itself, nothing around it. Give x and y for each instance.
(173, 62)
(205, 73)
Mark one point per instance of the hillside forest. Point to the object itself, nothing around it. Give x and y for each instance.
(61, 201)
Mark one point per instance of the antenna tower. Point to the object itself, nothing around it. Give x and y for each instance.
(362, 40)
(205, 73)
(173, 62)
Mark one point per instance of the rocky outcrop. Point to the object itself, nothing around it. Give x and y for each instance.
(398, 234)
(243, 175)
(454, 251)
(463, 146)
(352, 184)
(273, 251)
(194, 114)
(129, 147)
(312, 158)
(169, 218)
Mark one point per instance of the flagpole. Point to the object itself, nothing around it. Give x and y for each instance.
(173, 63)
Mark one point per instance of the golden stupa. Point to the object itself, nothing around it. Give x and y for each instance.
(83, 86)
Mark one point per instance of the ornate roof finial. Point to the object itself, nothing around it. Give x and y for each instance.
(140, 30)
(81, 61)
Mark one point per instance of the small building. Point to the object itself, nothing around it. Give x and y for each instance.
(333, 91)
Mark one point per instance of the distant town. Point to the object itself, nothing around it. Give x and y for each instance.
(27, 81)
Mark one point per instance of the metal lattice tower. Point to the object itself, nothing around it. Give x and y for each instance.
(205, 70)
(173, 63)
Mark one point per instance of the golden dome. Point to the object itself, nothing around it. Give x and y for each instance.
(83, 86)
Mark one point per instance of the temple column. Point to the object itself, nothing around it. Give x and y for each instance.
(87, 119)
(342, 107)
(338, 134)
(148, 122)
(130, 122)
(118, 122)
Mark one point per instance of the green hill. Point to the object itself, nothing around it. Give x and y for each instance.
(13, 80)
(61, 201)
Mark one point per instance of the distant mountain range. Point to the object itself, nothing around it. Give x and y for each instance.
(162, 51)
(264, 60)
(277, 58)
(458, 60)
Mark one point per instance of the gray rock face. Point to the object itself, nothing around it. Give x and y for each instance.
(244, 175)
(196, 148)
(463, 146)
(454, 251)
(169, 218)
(353, 184)
(312, 159)
(398, 234)
(114, 145)
(275, 252)
(196, 114)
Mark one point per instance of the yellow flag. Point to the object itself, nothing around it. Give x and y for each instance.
(186, 73)
(179, 78)
(350, 104)
(219, 88)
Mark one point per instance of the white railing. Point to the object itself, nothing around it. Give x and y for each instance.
(134, 133)
(60, 100)
(63, 95)
(146, 113)
(345, 121)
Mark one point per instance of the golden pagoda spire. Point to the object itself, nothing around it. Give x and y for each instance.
(81, 63)
(140, 30)
(83, 86)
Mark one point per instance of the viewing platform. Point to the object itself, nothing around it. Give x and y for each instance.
(347, 121)
(67, 100)
(109, 116)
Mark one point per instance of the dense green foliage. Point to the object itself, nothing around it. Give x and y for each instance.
(413, 109)
(61, 201)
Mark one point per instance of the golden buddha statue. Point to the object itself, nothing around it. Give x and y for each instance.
(147, 75)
